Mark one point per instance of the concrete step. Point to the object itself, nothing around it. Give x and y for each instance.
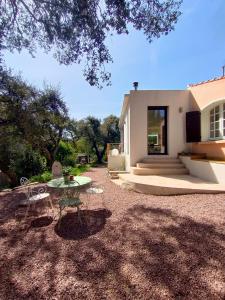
(170, 185)
(167, 160)
(161, 171)
(160, 165)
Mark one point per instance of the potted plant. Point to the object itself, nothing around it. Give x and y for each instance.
(66, 174)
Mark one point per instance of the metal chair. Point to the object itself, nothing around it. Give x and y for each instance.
(70, 199)
(34, 195)
(95, 189)
(24, 181)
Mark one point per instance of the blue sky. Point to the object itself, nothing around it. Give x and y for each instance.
(194, 52)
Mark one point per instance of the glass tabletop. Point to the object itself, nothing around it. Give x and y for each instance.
(78, 182)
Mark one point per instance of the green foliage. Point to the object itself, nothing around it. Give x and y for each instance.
(83, 146)
(67, 170)
(24, 161)
(110, 129)
(35, 130)
(66, 154)
(47, 176)
(77, 31)
(42, 178)
(31, 126)
(79, 170)
(51, 118)
(98, 133)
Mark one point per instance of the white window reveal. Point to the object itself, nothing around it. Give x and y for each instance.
(217, 122)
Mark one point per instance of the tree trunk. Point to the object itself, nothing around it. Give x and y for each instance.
(98, 154)
(103, 151)
(12, 177)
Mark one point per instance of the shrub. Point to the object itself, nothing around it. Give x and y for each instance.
(24, 161)
(66, 154)
(44, 177)
(79, 170)
(83, 146)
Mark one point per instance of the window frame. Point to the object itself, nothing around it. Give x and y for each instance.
(217, 122)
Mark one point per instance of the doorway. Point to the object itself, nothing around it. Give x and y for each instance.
(157, 130)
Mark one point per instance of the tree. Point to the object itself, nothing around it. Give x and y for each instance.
(91, 129)
(16, 97)
(100, 133)
(32, 123)
(110, 129)
(50, 119)
(78, 29)
(72, 131)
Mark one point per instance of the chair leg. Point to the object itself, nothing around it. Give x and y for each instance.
(85, 206)
(50, 201)
(51, 205)
(27, 210)
(103, 202)
(60, 217)
(78, 214)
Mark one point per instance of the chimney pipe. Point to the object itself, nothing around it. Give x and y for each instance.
(135, 85)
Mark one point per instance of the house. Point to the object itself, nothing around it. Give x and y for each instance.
(157, 126)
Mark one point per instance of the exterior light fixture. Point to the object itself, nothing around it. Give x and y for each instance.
(135, 85)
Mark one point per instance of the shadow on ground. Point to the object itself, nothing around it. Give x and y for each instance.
(151, 253)
(143, 251)
(41, 222)
(93, 221)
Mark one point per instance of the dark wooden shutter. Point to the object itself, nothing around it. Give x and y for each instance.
(193, 126)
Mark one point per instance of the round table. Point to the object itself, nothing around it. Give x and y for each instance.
(71, 191)
(79, 182)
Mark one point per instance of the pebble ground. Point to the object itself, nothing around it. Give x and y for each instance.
(130, 246)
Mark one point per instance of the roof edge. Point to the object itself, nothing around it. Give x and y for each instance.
(207, 81)
(124, 107)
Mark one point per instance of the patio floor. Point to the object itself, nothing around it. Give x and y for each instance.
(170, 184)
(134, 246)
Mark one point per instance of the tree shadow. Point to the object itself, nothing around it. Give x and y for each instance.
(185, 256)
(147, 253)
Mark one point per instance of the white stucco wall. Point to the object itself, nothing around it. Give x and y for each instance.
(138, 109)
(126, 128)
(208, 170)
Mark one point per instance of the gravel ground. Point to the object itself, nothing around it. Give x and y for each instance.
(130, 246)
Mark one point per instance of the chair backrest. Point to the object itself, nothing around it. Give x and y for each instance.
(57, 169)
(29, 191)
(24, 182)
(73, 192)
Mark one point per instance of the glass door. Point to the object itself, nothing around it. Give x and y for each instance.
(157, 130)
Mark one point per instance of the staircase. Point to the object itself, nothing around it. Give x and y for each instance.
(160, 166)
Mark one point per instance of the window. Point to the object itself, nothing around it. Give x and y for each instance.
(217, 122)
(223, 119)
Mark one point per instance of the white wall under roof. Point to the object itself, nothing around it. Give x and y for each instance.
(126, 140)
(137, 109)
